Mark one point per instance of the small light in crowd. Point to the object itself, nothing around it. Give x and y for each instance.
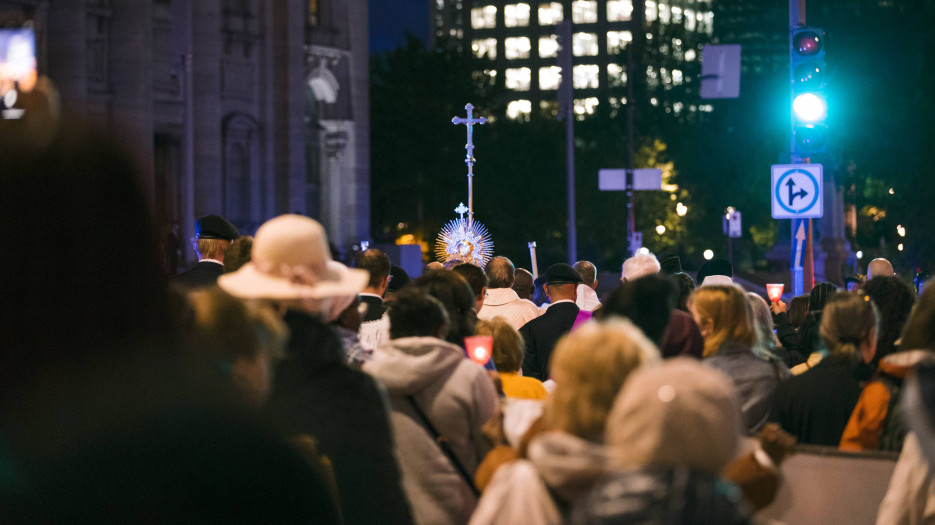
(901, 230)
(891, 191)
(660, 229)
(708, 255)
(860, 254)
(480, 348)
(364, 245)
(644, 250)
(900, 247)
(681, 209)
(729, 211)
(774, 291)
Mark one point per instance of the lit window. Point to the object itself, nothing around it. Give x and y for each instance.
(617, 41)
(550, 14)
(548, 46)
(584, 44)
(584, 11)
(550, 77)
(518, 78)
(585, 76)
(516, 15)
(676, 16)
(518, 109)
(616, 76)
(677, 77)
(651, 13)
(709, 22)
(516, 47)
(690, 55)
(486, 47)
(619, 10)
(482, 17)
(664, 14)
(585, 106)
(690, 20)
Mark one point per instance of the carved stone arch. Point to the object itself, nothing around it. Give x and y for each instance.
(241, 184)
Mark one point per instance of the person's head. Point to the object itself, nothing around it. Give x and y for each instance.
(722, 314)
(849, 326)
(377, 262)
(647, 301)
(523, 284)
(345, 312)
(669, 261)
(454, 293)
(820, 295)
(238, 342)
(893, 299)
(417, 314)
(561, 282)
(588, 272)
(880, 267)
(762, 320)
(852, 283)
(500, 273)
(238, 254)
(434, 265)
(477, 279)
(715, 267)
(508, 346)
(213, 236)
(639, 265)
(920, 328)
(798, 308)
(450, 264)
(685, 285)
(398, 279)
(70, 192)
(589, 366)
(679, 413)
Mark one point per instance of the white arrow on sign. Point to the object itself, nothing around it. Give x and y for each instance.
(799, 240)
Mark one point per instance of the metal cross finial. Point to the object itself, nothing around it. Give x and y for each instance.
(469, 147)
(460, 210)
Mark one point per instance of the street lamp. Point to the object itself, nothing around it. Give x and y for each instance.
(660, 229)
(901, 230)
(681, 209)
(708, 255)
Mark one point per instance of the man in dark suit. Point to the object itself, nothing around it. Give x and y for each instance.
(542, 333)
(213, 236)
(377, 262)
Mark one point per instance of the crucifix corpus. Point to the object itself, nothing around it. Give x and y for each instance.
(464, 239)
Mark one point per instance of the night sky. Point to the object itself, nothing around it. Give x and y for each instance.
(391, 19)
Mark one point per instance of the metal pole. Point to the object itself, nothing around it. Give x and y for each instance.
(570, 167)
(631, 78)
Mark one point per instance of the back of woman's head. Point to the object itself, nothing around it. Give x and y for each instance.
(762, 320)
(589, 366)
(508, 347)
(725, 311)
(820, 295)
(920, 328)
(456, 296)
(417, 314)
(798, 308)
(647, 301)
(848, 320)
(894, 300)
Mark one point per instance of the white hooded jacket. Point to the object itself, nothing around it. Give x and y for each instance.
(458, 397)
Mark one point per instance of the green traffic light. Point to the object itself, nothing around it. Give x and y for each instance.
(809, 108)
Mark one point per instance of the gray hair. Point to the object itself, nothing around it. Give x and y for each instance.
(638, 266)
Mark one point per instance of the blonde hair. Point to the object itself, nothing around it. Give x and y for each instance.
(589, 367)
(508, 346)
(729, 313)
(212, 248)
(847, 320)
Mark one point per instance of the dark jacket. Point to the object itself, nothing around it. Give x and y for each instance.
(316, 394)
(815, 406)
(542, 333)
(205, 273)
(755, 381)
(661, 496)
(375, 307)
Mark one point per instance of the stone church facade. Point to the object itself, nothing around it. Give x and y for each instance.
(244, 108)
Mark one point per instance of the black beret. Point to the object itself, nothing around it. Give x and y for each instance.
(561, 273)
(215, 227)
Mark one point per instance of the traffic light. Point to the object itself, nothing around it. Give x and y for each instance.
(809, 106)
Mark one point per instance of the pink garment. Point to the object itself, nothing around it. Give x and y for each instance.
(583, 317)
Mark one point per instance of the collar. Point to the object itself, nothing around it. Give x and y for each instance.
(373, 295)
(211, 260)
(500, 296)
(563, 301)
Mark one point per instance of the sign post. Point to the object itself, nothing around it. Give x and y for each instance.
(642, 179)
(796, 194)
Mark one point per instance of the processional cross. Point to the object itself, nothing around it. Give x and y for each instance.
(469, 158)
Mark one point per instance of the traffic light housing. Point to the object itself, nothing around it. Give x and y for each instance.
(809, 105)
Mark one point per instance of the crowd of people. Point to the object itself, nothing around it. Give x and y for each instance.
(272, 383)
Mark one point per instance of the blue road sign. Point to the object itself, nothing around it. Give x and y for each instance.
(799, 236)
(796, 191)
